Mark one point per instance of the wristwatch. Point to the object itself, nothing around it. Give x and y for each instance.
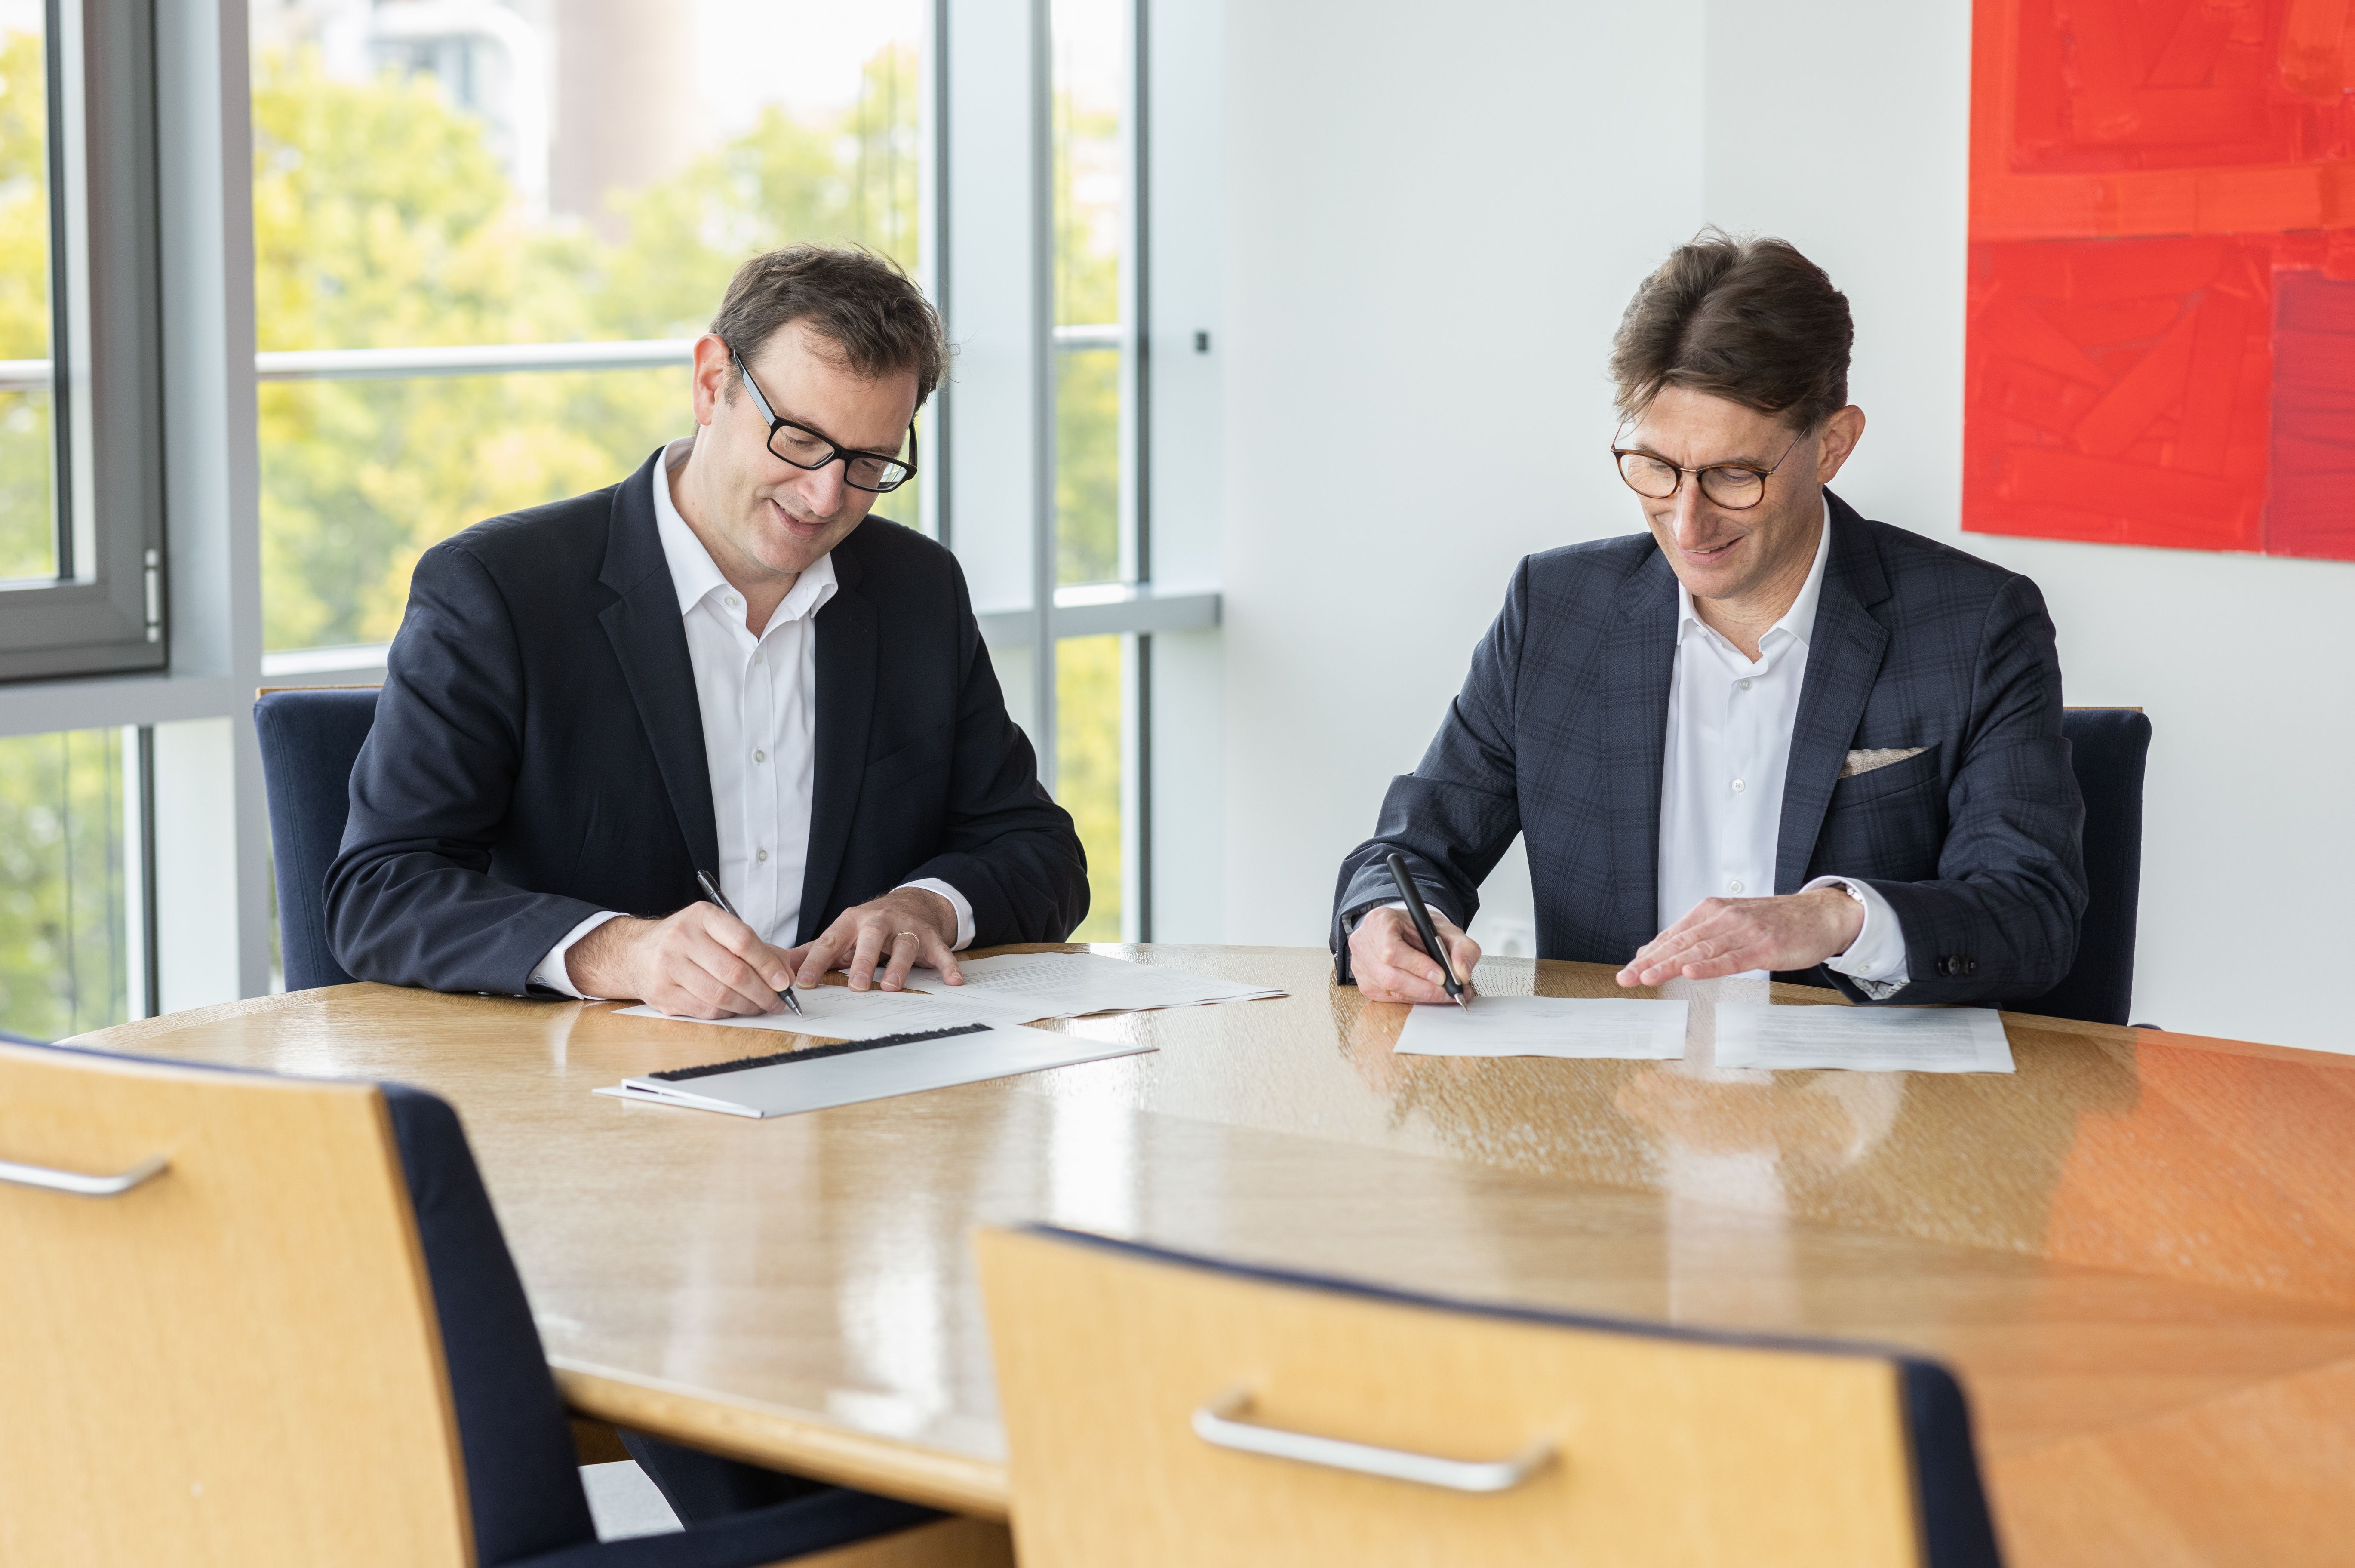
(1852, 891)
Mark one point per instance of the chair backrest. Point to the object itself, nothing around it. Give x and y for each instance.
(310, 739)
(1163, 1409)
(2108, 747)
(291, 1336)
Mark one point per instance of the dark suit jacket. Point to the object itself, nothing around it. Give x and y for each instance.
(537, 754)
(1559, 731)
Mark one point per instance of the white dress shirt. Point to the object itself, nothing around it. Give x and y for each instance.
(1729, 747)
(758, 702)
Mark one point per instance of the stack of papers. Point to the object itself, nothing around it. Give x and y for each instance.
(1623, 1029)
(1747, 1034)
(1029, 985)
(822, 1076)
(898, 1042)
(1863, 1039)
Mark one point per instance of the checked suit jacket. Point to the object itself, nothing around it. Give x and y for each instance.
(1559, 731)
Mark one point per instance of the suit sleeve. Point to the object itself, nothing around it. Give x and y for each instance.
(2000, 921)
(410, 901)
(1453, 817)
(1005, 845)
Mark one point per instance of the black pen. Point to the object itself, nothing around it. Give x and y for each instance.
(711, 886)
(1423, 928)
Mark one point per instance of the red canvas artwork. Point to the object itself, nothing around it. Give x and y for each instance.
(2162, 274)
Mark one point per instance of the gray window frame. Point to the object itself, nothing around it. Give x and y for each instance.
(104, 615)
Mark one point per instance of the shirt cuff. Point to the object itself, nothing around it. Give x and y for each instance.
(1436, 913)
(956, 902)
(550, 971)
(1876, 959)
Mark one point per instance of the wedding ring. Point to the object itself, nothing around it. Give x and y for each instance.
(897, 934)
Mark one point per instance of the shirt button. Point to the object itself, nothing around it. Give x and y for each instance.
(733, 603)
(760, 658)
(1737, 786)
(1734, 886)
(762, 855)
(759, 756)
(1745, 686)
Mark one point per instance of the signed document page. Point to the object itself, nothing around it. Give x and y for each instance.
(1624, 1028)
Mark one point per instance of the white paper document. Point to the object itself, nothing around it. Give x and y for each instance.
(819, 1077)
(838, 1012)
(1072, 984)
(1619, 1028)
(1864, 1039)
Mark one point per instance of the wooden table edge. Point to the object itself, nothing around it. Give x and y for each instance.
(765, 1434)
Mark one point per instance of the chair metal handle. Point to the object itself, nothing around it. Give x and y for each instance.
(1216, 1423)
(81, 1185)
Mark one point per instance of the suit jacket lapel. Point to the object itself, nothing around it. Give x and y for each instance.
(848, 638)
(1638, 660)
(1844, 654)
(649, 638)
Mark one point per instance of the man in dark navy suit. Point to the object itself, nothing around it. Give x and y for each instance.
(723, 665)
(1767, 735)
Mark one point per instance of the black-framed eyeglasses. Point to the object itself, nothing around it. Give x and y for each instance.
(1736, 486)
(873, 472)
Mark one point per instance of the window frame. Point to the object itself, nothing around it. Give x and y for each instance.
(105, 613)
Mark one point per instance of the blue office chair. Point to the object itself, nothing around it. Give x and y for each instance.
(310, 739)
(2108, 747)
(275, 1318)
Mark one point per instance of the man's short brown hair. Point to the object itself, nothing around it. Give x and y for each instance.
(859, 302)
(1749, 320)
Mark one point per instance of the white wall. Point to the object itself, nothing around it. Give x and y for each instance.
(1431, 232)
(1422, 211)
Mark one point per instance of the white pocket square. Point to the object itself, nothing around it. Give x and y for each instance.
(1866, 761)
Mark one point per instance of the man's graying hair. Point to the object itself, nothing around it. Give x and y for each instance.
(861, 302)
(1749, 320)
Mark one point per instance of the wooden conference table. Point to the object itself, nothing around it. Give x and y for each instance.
(2138, 1251)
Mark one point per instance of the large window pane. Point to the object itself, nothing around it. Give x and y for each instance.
(1089, 202)
(1091, 544)
(27, 516)
(360, 477)
(471, 172)
(64, 954)
(1089, 754)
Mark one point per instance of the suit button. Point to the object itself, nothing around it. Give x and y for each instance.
(1946, 966)
(1970, 966)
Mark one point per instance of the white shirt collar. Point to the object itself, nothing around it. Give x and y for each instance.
(1799, 621)
(698, 577)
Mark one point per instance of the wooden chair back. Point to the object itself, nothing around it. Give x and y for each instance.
(1166, 1410)
(234, 1358)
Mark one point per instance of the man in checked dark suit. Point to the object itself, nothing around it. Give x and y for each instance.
(1768, 735)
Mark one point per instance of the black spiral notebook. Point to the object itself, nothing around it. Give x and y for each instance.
(820, 1076)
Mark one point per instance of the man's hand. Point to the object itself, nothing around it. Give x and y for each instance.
(1727, 936)
(701, 963)
(879, 942)
(1387, 958)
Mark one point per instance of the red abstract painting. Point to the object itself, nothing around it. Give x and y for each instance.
(2162, 274)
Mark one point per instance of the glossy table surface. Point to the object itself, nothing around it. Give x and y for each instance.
(2138, 1250)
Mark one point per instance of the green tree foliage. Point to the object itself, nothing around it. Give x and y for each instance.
(382, 219)
(61, 893)
(26, 527)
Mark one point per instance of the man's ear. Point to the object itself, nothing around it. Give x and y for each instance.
(1841, 432)
(710, 379)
